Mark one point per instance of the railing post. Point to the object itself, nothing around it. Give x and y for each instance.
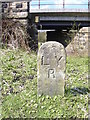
(39, 4)
(63, 4)
(88, 4)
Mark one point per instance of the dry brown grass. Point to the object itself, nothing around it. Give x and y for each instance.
(14, 34)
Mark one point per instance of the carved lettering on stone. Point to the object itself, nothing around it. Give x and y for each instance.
(44, 61)
(51, 69)
(51, 73)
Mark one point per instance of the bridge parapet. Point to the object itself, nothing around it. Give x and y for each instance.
(58, 10)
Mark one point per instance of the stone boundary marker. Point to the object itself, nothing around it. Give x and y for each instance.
(51, 63)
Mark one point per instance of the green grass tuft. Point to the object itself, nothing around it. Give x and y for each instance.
(18, 74)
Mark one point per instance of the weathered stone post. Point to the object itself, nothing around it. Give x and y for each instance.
(51, 69)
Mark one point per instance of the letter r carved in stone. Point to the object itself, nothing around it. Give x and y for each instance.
(51, 73)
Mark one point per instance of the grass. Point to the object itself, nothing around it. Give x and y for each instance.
(18, 74)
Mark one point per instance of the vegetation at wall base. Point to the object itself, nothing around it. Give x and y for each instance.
(16, 35)
(18, 75)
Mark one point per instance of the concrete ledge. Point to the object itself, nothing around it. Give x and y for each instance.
(58, 10)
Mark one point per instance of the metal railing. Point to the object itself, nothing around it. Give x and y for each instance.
(40, 4)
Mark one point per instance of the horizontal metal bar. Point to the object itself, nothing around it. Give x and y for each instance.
(63, 18)
(42, 1)
(15, 1)
(58, 4)
(64, 24)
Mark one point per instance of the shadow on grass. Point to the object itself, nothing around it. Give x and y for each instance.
(77, 90)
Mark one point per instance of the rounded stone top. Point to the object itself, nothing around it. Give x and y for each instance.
(51, 44)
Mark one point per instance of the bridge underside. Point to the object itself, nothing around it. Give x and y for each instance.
(61, 28)
(61, 19)
(61, 22)
(59, 36)
(61, 25)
